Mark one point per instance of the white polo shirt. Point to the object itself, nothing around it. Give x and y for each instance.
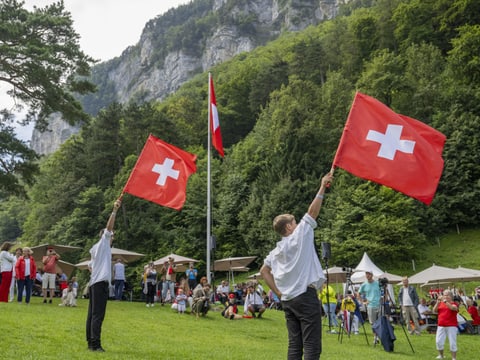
(294, 261)
(101, 262)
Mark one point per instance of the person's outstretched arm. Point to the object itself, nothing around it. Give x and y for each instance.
(111, 219)
(314, 208)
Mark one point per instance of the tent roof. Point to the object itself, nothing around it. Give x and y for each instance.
(366, 264)
(437, 273)
(177, 259)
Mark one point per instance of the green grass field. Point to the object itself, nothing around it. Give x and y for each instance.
(132, 331)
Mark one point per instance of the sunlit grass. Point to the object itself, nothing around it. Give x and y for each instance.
(132, 331)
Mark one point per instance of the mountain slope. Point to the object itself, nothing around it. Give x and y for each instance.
(184, 42)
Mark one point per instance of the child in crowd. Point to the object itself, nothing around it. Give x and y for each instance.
(181, 301)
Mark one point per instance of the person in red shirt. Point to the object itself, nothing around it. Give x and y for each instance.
(473, 311)
(447, 311)
(25, 272)
(49, 273)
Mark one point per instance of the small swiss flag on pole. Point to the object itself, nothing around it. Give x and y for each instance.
(394, 150)
(161, 174)
(214, 122)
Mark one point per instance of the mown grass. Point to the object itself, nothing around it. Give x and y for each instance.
(132, 331)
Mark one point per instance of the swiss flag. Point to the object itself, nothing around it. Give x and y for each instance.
(214, 122)
(391, 149)
(161, 174)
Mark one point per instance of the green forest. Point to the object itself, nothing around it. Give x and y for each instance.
(282, 109)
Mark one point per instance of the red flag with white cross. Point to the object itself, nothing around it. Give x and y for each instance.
(161, 174)
(214, 121)
(394, 150)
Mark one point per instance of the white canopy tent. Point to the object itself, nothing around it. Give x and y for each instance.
(366, 264)
(437, 274)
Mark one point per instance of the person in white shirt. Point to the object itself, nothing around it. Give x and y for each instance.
(222, 291)
(69, 296)
(293, 272)
(119, 278)
(408, 300)
(253, 302)
(13, 285)
(100, 277)
(7, 261)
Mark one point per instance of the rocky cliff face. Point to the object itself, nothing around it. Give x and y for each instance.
(138, 73)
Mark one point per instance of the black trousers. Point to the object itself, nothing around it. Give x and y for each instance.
(304, 324)
(98, 296)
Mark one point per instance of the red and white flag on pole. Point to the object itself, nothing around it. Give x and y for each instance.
(214, 122)
(394, 150)
(161, 174)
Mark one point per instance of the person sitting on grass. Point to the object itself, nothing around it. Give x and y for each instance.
(69, 296)
(201, 299)
(231, 309)
(253, 302)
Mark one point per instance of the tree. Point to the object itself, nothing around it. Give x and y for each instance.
(16, 160)
(42, 61)
(42, 64)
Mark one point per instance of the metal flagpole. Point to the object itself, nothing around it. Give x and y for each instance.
(208, 179)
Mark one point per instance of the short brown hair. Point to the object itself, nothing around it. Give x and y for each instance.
(6, 246)
(280, 223)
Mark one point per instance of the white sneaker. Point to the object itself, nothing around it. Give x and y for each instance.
(148, 305)
(152, 305)
(440, 357)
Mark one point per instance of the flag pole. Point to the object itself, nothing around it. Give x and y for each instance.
(208, 180)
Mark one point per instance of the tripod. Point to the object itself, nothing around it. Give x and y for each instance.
(348, 316)
(385, 307)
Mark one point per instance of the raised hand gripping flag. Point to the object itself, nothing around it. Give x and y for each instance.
(214, 121)
(394, 150)
(161, 174)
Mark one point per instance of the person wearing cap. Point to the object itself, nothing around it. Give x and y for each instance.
(100, 277)
(293, 272)
(231, 309)
(49, 276)
(25, 270)
(370, 294)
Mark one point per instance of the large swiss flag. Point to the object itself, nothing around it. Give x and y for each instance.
(161, 174)
(394, 150)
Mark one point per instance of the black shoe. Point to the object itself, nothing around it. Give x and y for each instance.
(98, 349)
(44, 301)
(259, 315)
(50, 301)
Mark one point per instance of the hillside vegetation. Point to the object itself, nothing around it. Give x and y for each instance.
(282, 110)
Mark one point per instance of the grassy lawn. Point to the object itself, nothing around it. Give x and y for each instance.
(132, 331)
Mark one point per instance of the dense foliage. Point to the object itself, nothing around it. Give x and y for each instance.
(282, 110)
(42, 65)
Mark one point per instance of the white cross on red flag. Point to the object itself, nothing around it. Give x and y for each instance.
(394, 150)
(161, 174)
